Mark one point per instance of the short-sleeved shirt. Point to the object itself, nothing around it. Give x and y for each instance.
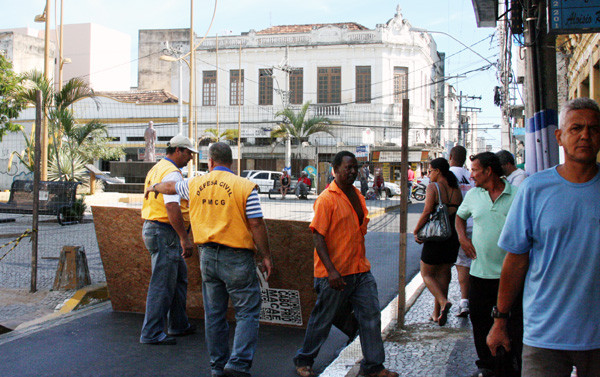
(336, 220)
(253, 209)
(175, 177)
(517, 177)
(465, 183)
(558, 223)
(488, 221)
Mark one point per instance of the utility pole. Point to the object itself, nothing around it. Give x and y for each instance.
(191, 101)
(505, 80)
(541, 102)
(461, 129)
(285, 100)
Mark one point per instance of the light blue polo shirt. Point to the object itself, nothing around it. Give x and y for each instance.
(558, 223)
(488, 221)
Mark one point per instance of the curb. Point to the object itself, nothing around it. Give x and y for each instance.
(382, 211)
(51, 321)
(86, 296)
(346, 364)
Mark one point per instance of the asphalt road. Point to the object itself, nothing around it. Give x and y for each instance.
(105, 343)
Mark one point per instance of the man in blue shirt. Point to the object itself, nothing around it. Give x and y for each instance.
(552, 235)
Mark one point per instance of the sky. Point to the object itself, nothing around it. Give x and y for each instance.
(454, 17)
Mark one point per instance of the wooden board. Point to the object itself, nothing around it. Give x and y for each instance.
(127, 267)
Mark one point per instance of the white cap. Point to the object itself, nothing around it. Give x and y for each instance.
(181, 142)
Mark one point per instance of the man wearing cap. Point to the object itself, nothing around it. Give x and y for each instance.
(303, 185)
(227, 223)
(166, 238)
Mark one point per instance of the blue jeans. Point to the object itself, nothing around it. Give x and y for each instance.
(301, 189)
(229, 273)
(167, 292)
(361, 291)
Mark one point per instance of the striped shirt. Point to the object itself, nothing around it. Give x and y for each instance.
(253, 209)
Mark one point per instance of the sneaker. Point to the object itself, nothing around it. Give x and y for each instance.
(227, 372)
(463, 310)
(168, 341)
(482, 372)
(189, 331)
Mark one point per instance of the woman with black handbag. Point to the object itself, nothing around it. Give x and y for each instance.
(440, 244)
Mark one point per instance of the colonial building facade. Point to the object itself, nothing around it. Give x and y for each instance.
(355, 76)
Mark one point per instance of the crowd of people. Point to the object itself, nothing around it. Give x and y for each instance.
(530, 249)
(526, 252)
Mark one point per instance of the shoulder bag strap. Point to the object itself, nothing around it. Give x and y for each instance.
(439, 194)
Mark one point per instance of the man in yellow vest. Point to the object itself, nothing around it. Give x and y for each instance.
(227, 223)
(166, 238)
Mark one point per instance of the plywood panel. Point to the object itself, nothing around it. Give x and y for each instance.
(127, 262)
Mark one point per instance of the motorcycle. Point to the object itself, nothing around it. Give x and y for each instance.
(418, 191)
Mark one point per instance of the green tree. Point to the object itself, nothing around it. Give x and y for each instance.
(297, 126)
(214, 136)
(71, 144)
(11, 103)
(26, 156)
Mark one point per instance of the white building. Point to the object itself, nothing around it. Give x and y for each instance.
(101, 56)
(355, 76)
(24, 48)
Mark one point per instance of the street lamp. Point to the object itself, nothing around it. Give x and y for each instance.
(61, 60)
(45, 17)
(172, 54)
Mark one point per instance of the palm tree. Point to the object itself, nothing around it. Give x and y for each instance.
(296, 126)
(27, 155)
(68, 139)
(213, 135)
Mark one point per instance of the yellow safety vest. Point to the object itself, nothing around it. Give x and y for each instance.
(218, 209)
(154, 208)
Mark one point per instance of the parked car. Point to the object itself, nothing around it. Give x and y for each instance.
(390, 188)
(263, 178)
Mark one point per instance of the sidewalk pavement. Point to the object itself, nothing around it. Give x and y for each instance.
(421, 348)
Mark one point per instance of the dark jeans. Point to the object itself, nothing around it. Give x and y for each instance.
(167, 292)
(483, 295)
(230, 274)
(364, 187)
(361, 292)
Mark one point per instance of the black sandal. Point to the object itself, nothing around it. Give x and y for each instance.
(444, 315)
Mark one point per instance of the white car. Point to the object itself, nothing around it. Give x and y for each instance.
(264, 179)
(390, 188)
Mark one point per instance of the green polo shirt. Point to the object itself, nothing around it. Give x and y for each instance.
(488, 221)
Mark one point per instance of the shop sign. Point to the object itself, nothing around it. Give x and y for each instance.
(573, 16)
(362, 151)
(396, 156)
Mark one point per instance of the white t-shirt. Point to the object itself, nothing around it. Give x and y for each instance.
(516, 177)
(173, 176)
(464, 179)
(465, 183)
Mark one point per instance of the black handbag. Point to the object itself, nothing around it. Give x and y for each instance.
(437, 227)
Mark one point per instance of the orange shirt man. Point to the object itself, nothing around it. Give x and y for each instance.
(342, 271)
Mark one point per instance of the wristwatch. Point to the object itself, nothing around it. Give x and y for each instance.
(498, 314)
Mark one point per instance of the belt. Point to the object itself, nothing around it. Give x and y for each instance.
(167, 225)
(164, 225)
(214, 245)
